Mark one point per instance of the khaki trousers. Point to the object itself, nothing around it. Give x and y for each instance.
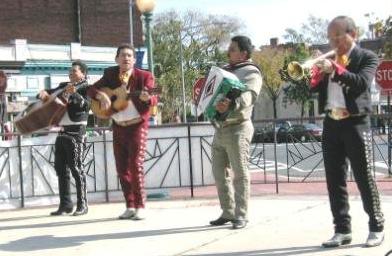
(230, 154)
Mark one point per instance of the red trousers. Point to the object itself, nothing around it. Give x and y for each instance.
(129, 145)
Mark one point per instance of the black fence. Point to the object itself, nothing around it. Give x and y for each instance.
(179, 156)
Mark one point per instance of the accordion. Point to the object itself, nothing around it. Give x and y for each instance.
(218, 85)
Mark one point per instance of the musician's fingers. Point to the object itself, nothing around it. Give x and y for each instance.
(144, 96)
(45, 98)
(43, 95)
(71, 89)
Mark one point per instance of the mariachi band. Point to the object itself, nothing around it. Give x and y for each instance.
(125, 94)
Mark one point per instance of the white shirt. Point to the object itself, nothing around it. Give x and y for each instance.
(65, 121)
(335, 92)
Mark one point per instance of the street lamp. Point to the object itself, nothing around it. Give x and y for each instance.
(182, 80)
(146, 7)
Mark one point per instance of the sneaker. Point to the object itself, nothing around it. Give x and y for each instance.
(139, 214)
(128, 214)
(374, 239)
(337, 240)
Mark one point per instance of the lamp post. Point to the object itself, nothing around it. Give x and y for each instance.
(182, 80)
(146, 7)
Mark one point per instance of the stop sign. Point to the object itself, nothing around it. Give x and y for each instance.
(384, 75)
(197, 87)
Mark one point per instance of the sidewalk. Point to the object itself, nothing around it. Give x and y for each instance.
(279, 225)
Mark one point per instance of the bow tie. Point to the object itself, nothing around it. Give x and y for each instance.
(124, 77)
(342, 60)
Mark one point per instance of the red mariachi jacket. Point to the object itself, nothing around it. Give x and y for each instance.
(140, 79)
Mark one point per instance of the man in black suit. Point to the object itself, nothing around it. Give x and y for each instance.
(70, 140)
(343, 85)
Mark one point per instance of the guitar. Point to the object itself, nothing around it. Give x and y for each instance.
(42, 114)
(119, 98)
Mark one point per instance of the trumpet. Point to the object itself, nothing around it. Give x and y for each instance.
(296, 71)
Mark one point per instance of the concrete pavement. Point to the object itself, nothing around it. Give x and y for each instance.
(279, 225)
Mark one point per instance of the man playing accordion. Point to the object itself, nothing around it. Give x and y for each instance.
(230, 148)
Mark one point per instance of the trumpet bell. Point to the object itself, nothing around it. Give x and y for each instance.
(295, 70)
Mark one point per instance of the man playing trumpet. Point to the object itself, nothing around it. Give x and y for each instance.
(343, 87)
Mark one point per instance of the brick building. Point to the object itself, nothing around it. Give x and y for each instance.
(39, 40)
(89, 22)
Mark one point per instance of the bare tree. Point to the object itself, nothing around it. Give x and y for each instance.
(271, 60)
(312, 32)
(194, 40)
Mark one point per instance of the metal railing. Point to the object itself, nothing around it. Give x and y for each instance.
(177, 156)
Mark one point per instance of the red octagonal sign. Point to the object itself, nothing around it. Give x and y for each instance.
(384, 75)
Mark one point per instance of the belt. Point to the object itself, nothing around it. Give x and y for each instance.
(129, 122)
(338, 113)
(229, 122)
(342, 113)
(74, 128)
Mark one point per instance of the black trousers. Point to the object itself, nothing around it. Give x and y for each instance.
(68, 158)
(350, 139)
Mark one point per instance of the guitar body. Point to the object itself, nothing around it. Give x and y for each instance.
(119, 98)
(43, 114)
(40, 115)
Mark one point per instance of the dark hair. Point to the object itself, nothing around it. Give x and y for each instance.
(347, 21)
(125, 46)
(244, 43)
(82, 66)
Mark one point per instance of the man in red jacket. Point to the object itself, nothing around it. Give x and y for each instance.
(130, 125)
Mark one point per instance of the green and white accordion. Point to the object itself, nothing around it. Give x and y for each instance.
(219, 84)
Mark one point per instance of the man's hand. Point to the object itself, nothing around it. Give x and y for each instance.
(326, 66)
(144, 96)
(43, 95)
(70, 89)
(104, 100)
(223, 105)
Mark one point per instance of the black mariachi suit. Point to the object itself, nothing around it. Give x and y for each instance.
(69, 148)
(351, 138)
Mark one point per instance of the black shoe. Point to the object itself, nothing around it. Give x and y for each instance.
(337, 240)
(61, 211)
(239, 223)
(80, 211)
(219, 221)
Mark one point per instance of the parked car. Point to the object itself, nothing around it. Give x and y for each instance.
(267, 133)
(300, 132)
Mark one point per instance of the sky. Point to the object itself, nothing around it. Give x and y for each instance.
(265, 19)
